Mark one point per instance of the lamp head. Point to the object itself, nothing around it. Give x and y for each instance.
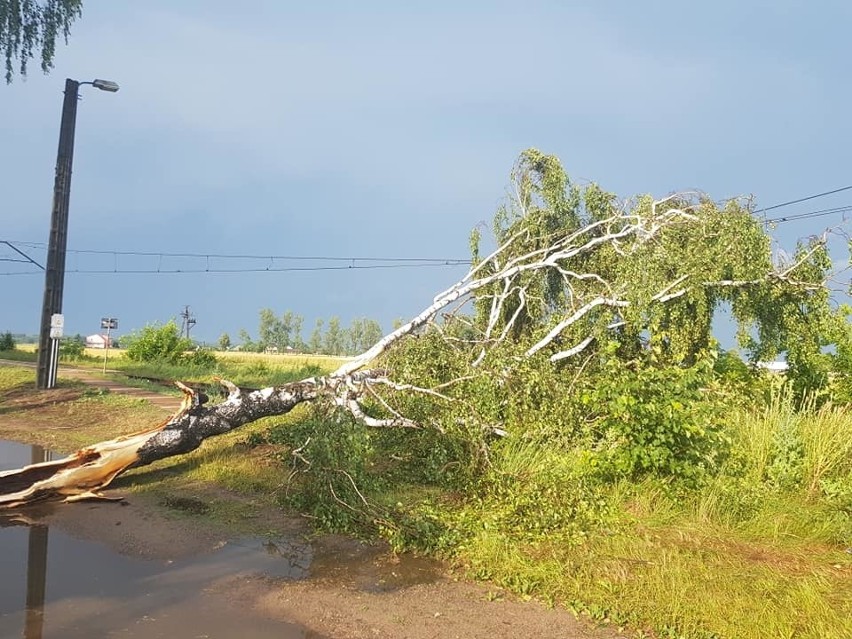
(105, 85)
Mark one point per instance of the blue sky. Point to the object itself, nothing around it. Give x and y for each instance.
(388, 129)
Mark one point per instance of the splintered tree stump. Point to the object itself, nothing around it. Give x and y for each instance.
(86, 472)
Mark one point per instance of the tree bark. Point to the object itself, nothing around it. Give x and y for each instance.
(83, 474)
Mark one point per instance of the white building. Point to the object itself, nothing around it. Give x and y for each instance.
(99, 341)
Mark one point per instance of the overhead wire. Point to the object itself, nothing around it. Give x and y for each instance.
(268, 269)
(351, 262)
(246, 256)
(809, 214)
(803, 199)
(378, 262)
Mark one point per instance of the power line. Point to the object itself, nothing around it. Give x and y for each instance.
(803, 199)
(273, 269)
(809, 214)
(27, 258)
(254, 256)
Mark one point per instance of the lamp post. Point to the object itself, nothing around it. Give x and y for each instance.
(54, 273)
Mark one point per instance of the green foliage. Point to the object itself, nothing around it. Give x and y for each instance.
(665, 420)
(280, 332)
(329, 456)
(362, 334)
(202, 358)
(28, 28)
(335, 338)
(720, 257)
(332, 338)
(799, 321)
(157, 343)
(315, 341)
(224, 342)
(7, 342)
(72, 348)
(249, 345)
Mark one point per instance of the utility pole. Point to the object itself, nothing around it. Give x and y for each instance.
(54, 272)
(188, 321)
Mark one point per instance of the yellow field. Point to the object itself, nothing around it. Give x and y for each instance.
(274, 360)
(326, 361)
(302, 359)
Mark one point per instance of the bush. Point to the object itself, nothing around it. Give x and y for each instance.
(72, 348)
(202, 358)
(664, 421)
(7, 342)
(157, 343)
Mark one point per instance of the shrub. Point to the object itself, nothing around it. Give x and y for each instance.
(72, 348)
(658, 420)
(7, 342)
(157, 343)
(202, 358)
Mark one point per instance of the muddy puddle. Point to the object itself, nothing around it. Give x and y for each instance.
(55, 585)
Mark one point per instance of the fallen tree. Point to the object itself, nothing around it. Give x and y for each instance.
(571, 271)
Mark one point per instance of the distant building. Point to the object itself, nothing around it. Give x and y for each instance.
(99, 341)
(774, 367)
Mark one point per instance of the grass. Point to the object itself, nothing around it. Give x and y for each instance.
(758, 551)
(69, 417)
(19, 355)
(761, 550)
(677, 576)
(245, 369)
(12, 377)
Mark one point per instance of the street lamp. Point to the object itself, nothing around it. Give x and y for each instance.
(54, 275)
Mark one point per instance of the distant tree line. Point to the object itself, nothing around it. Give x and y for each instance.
(284, 332)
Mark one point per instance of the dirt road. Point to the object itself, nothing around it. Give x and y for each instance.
(167, 402)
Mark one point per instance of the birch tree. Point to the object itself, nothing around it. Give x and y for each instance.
(574, 278)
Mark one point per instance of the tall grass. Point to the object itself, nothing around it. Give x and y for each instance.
(794, 446)
(757, 550)
(245, 369)
(827, 442)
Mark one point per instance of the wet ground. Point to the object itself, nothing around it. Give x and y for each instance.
(54, 585)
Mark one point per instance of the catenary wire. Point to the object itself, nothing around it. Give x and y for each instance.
(803, 199)
(285, 269)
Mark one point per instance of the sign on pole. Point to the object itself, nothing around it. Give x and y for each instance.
(109, 323)
(57, 323)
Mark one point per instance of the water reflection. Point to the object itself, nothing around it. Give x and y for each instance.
(36, 582)
(36, 567)
(13, 455)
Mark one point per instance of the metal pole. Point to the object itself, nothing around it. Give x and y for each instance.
(54, 277)
(106, 346)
